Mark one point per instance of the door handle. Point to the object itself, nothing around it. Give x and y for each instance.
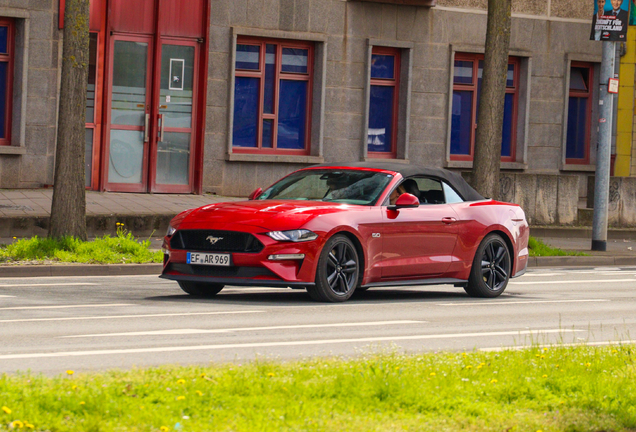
(161, 129)
(449, 220)
(146, 124)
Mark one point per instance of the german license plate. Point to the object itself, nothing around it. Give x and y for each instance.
(212, 259)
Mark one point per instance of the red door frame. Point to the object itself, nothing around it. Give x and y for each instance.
(156, 103)
(588, 115)
(127, 187)
(100, 161)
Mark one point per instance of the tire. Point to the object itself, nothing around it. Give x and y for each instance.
(200, 289)
(490, 273)
(338, 272)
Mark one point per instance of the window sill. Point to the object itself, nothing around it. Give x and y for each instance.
(577, 167)
(250, 157)
(388, 160)
(12, 150)
(504, 165)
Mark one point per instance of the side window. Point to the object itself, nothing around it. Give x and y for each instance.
(431, 191)
(451, 196)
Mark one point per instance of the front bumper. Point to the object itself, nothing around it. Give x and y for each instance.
(249, 269)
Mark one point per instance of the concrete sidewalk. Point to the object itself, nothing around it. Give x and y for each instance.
(25, 213)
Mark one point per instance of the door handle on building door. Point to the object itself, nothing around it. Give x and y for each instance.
(146, 124)
(449, 220)
(161, 128)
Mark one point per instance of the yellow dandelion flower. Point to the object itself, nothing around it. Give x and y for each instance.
(70, 372)
(142, 407)
(544, 376)
(557, 366)
(164, 429)
(479, 367)
(180, 397)
(17, 424)
(199, 393)
(285, 388)
(202, 375)
(545, 349)
(74, 387)
(539, 430)
(82, 403)
(29, 426)
(588, 364)
(432, 373)
(181, 381)
(537, 355)
(493, 381)
(397, 368)
(271, 374)
(7, 410)
(469, 367)
(542, 357)
(14, 238)
(614, 351)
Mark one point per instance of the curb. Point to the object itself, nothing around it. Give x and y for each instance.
(155, 269)
(80, 270)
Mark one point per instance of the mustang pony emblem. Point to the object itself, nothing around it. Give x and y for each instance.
(213, 239)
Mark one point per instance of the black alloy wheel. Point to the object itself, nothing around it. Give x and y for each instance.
(338, 271)
(491, 268)
(200, 289)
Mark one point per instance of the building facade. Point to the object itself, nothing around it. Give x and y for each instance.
(225, 96)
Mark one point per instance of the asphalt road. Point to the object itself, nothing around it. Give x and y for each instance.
(51, 325)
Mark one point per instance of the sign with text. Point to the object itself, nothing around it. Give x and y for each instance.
(610, 20)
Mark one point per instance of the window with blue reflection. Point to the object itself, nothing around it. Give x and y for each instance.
(270, 79)
(4, 66)
(268, 126)
(577, 128)
(292, 113)
(506, 136)
(4, 39)
(380, 135)
(245, 111)
(295, 60)
(461, 122)
(382, 66)
(463, 72)
(510, 76)
(248, 57)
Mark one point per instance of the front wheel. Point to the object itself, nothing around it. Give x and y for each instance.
(490, 273)
(338, 271)
(200, 289)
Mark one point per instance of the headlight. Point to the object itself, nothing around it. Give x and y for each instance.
(293, 235)
(170, 231)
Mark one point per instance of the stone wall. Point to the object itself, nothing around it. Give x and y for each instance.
(622, 201)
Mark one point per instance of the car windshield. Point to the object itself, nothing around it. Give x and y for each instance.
(342, 186)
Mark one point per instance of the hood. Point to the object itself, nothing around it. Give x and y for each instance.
(272, 215)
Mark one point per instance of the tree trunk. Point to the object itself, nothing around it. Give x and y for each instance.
(68, 209)
(486, 163)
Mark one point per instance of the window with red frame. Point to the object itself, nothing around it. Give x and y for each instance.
(577, 147)
(383, 102)
(467, 81)
(272, 96)
(6, 78)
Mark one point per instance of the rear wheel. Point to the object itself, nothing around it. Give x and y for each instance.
(338, 271)
(200, 289)
(490, 273)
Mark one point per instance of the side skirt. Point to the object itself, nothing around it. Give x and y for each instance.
(441, 281)
(238, 282)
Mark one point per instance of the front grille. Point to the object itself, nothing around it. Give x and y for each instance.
(217, 271)
(228, 241)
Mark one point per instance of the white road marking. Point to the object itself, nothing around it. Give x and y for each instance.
(129, 316)
(559, 345)
(66, 306)
(46, 284)
(574, 281)
(279, 344)
(239, 329)
(6, 296)
(486, 303)
(543, 274)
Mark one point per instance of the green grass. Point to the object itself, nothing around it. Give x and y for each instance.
(122, 248)
(557, 389)
(538, 248)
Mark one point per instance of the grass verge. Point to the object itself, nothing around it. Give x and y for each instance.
(557, 389)
(536, 247)
(120, 249)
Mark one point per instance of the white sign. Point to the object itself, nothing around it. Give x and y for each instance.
(612, 85)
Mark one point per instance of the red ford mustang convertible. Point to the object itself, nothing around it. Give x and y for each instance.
(335, 229)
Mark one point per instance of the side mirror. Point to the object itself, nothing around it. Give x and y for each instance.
(255, 194)
(405, 200)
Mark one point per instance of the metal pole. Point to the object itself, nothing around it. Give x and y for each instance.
(604, 150)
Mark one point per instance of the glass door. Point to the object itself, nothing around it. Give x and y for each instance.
(128, 107)
(175, 99)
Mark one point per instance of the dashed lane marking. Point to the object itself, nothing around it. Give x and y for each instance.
(66, 306)
(129, 316)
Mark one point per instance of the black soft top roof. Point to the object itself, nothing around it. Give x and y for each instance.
(455, 180)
